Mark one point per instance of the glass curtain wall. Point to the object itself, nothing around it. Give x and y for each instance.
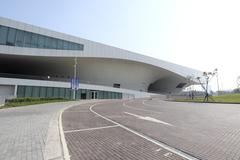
(15, 37)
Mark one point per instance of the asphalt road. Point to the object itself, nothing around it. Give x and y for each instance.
(153, 129)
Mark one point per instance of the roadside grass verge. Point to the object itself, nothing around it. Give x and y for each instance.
(30, 101)
(228, 98)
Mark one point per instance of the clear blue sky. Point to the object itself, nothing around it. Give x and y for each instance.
(200, 34)
(136, 25)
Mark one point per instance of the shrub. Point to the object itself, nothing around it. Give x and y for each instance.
(29, 99)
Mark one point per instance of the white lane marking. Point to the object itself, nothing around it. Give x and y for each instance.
(78, 111)
(143, 102)
(171, 149)
(89, 129)
(149, 119)
(147, 104)
(168, 154)
(159, 149)
(66, 155)
(65, 150)
(140, 109)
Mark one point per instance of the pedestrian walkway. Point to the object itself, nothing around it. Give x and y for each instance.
(25, 131)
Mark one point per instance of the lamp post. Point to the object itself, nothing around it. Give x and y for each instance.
(190, 88)
(75, 77)
(238, 82)
(216, 72)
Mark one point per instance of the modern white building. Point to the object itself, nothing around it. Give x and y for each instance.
(37, 62)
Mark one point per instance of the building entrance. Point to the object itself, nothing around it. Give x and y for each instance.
(94, 95)
(83, 96)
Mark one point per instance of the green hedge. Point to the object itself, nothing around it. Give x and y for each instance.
(28, 99)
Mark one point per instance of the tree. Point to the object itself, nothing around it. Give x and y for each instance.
(208, 76)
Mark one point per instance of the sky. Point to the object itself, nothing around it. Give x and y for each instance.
(201, 34)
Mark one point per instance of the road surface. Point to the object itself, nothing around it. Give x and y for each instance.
(152, 129)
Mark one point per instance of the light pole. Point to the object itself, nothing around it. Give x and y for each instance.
(238, 82)
(190, 88)
(74, 78)
(216, 72)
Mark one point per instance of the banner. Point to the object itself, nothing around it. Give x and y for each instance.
(75, 83)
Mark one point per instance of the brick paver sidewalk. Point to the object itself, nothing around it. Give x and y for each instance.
(24, 130)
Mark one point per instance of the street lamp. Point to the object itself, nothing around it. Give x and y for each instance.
(75, 77)
(216, 72)
(190, 87)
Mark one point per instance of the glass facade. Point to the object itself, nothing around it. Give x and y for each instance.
(3, 35)
(55, 92)
(11, 36)
(15, 37)
(19, 38)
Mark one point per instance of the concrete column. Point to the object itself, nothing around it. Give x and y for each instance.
(15, 91)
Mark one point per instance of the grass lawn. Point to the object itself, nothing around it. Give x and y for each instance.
(30, 101)
(228, 98)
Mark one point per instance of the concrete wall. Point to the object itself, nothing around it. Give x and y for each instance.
(6, 90)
